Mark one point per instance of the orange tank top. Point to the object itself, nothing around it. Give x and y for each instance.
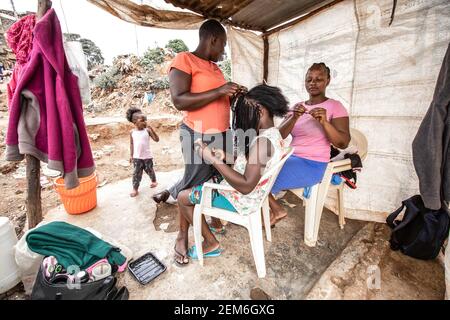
(206, 75)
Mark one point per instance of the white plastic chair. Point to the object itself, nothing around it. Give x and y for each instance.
(314, 205)
(252, 221)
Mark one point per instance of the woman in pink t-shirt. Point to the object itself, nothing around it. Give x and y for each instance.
(314, 124)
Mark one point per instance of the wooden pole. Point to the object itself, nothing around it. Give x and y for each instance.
(34, 205)
(43, 7)
(266, 58)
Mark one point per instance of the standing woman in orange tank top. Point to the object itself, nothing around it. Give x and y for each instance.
(199, 89)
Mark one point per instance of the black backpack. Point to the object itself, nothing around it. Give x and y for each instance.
(422, 231)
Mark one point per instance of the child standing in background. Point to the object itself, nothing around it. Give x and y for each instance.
(140, 154)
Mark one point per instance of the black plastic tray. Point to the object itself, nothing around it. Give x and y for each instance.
(146, 268)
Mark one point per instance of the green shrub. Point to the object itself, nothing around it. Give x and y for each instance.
(177, 46)
(108, 79)
(148, 82)
(160, 84)
(147, 64)
(142, 81)
(152, 57)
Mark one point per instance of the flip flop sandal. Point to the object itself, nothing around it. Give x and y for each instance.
(192, 253)
(181, 264)
(218, 231)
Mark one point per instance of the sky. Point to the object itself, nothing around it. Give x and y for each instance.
(112, 35)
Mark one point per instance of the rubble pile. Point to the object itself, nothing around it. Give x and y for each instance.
(137, 86)
(3, 104)
(7, 18)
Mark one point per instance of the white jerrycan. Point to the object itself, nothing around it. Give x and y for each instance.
(9, 272)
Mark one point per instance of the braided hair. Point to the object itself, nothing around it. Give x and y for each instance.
(321, 66)
(246, 109)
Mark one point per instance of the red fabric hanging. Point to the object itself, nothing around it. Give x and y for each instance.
(19, 38)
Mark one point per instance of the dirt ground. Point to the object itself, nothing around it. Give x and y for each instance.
(112, 166)
(110, 146)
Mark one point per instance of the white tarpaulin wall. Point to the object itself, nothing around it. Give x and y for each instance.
(384, 75)
(247, 54)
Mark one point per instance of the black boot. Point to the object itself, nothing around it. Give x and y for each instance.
(161, 197)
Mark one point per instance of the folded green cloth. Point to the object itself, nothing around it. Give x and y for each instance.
(71, 245)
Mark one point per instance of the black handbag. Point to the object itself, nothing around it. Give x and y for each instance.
(104, 289)
(422, 232)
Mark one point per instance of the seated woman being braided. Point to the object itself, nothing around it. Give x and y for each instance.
(253, 112)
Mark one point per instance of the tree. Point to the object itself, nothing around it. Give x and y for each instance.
(91, 50)
(108, 79)
(177, 46)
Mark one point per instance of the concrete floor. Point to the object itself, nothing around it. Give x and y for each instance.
(292, 268)
(368, 269)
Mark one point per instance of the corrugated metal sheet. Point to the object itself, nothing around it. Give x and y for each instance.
(250, 14)
(212, 8)
(259, 15)
(266, 14)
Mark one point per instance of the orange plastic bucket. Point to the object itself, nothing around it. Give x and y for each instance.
(80, 199)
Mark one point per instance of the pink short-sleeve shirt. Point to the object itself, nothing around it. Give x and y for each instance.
(308, 137)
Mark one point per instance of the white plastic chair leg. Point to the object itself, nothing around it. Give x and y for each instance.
(197, 226)
(256, 241)
(266, 217)
(321, 197)
(311, 218)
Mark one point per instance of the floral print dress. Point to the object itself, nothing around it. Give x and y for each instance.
(245, 204)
